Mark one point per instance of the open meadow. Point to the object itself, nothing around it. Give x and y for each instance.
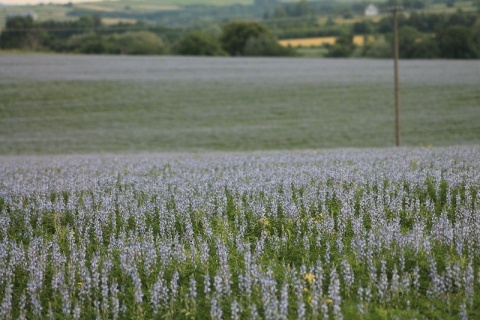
(52, 104)
(231, 188)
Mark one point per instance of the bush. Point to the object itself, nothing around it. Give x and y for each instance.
(199, 43)
(380, 48)
(265, 45)
(86, 43)
(139, 42)
(251, 39)
(415, 45)
(456, 42)
(21, 33)
(236, 34)
(343, 46)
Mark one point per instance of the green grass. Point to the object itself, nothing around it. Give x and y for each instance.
(185, 109)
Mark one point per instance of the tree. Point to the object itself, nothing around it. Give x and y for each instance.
(21, 33)
(89, 21)
(456, 42)
(133, 42)
(138, 42)
(415, 45)
(301, 9)
(87, 43)
(236, 34)
(265, 45)
(199, 43)
(380, 48)
(343, 46)
(362, 27)
(476, 36)
(241, 38)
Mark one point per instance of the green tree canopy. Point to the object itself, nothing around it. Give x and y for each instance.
(343, 46)
(413, 44)
(240, 38)
(457, 42)
(86, 43)
(138, 42)
(133, 42)
(265, 45)
(21, 33)
(237, 33)
(199, 43)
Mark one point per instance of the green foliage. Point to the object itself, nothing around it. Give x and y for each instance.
(89, 21)
(140, 42)
(135, 43)
(452, 36)
(87, 43)
(457, 42)
(237, 33)
(433, 38)
(242, 38)
(21, 33)
(266, 45)
(343, 46)
(379, 48)
(362, 27)
(198, 43)
(413, 44)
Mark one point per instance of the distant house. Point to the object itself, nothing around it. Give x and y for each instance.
(371, 10)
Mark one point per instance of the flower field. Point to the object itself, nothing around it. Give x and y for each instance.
(86, 104)
(347, 233)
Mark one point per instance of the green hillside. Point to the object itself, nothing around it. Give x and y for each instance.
(427, 29)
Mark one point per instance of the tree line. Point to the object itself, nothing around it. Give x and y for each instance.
(422, 35)
(89, 35)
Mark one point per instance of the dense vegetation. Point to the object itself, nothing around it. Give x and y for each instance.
(89, 35)
(358, 234)
(202, 30)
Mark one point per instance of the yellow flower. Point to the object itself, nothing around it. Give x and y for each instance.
(310, 278)
(265, 223)
(328, 300)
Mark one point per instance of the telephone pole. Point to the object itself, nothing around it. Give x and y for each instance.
(398, 138)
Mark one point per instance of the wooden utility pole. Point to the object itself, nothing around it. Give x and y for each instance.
(398, 138)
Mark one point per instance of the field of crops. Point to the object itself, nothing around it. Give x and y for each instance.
(316, 42)
(64, 104)
(353, 233)
(142, 187)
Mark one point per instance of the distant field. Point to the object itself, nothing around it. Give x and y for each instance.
(45, 12)
(122, 6)
(80, 104)
(59, 11)
(316, 42)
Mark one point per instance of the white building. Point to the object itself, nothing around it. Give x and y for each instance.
(371, 10)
